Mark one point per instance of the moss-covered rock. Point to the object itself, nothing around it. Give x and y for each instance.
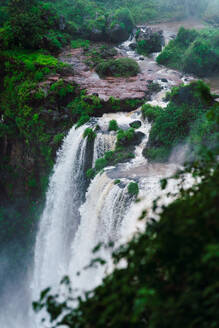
(122, 67)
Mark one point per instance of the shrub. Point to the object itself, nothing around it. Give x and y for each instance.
(124, 17)
(133, 188)
(100, 164)
(193, 52)
(122, 67)
(173, 125)
(150, 112)
(90, 134)
(79, 43)
(113, 126)
(90, 173)
(125, 136)
(58, 138)
(154, 45)
(82, 120)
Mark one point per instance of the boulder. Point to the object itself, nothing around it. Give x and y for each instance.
(164, 80)
(133, 45)
(139, 136)
(152, 40)
(135, 124)
(117, 34)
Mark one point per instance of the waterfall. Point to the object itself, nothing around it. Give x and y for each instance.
(103, 143)
(60, 217)
(101, 217)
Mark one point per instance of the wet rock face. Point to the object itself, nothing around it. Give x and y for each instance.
(136, 87)
(153, 39)
(133, 45)
(135, 124)
(117, 34)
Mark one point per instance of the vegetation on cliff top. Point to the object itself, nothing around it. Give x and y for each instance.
(124, 67)
(193, 51)
(190, 109)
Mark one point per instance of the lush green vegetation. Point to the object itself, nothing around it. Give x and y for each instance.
(90, 134)
(145, 48)
(80, 43)
(122, 153)
(189, 108)
(171, 274)
(171, 277)
(193, 52)
(133, 188)
(118, 67)
(52, 24)
(113, 125)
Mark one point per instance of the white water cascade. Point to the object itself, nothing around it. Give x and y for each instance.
(101, 217)
(74, 221)
(60, 217)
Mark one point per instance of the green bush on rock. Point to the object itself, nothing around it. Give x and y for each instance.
(122, 67)
(133, 188)
(113, 126)
(90, 134)
(192, 51)
(173, 125)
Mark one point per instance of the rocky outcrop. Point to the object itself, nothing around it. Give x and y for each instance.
(151, 39)
(117, 34)
(136, 87)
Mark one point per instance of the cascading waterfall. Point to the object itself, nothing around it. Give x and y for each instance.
(73, 223)
(103, 143)
(60, 217)
(101, 217)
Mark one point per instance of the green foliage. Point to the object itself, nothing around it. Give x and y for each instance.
(135, 125)
(61, 88)
(125, 136)
(113, 126)
(28, 117)
(150, 112)
(83, 107)
(100, 163)
(122, 152)
(173, 125)
(90, 173)
(123, 16)
(79, 43)
(96, 54)
(122, 67)
(90, 134)
(117, 181)
(58, 138)
(145, 48)
(133, 188)
(28, 19)
(193, 52)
